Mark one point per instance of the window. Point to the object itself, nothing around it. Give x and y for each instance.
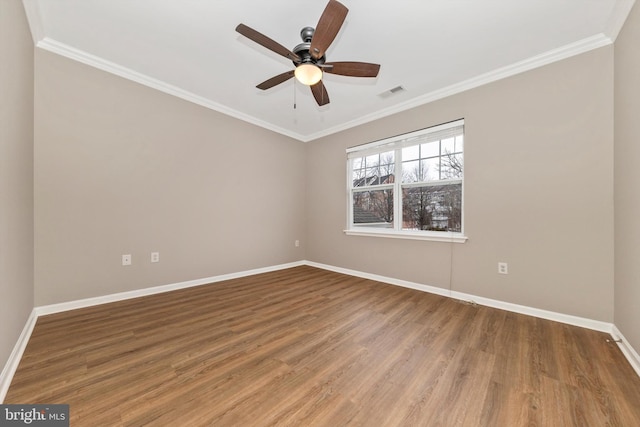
(409, 186)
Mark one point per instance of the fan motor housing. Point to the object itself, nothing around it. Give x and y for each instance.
(302, 50)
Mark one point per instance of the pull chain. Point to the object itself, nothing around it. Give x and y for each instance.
(294, 95)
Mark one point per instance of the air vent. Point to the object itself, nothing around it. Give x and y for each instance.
(392, 91)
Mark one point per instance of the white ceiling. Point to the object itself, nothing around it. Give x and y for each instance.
(433, 48)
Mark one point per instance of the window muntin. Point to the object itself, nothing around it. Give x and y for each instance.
(373, 169)
(429, 196)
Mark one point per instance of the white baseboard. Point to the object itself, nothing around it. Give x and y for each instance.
(629, 352)
(568, 319)
(16, 355)
(384, 279)
(121, 296)
(530, 311)
(14, 358)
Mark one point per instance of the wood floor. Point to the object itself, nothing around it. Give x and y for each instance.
(308, 347)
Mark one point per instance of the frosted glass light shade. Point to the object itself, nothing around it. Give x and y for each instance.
(308, 74)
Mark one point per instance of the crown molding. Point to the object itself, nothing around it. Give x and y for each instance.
(618, 17)
(32, 10)
(78, 55)
(546, 58)
(537, 61)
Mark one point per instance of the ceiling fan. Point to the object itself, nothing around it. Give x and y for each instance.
(309, 56)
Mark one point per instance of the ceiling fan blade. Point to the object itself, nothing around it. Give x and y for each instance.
(327, 29)
(320, 93)
(352, 69)
(276, 80)
(265, 41)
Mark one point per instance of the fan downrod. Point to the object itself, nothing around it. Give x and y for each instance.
(306, 34)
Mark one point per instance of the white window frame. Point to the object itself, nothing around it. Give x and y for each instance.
(396, 144)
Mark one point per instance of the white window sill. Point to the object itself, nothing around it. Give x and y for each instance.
(413, 235)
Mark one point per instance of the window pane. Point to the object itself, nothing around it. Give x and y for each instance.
(358, 177)
(433, 208)
(459, 147)
(451, 167)
(373, 160)
(448, 146)
(411, 171)
(386, 173)
(373, 208)
(411, 153)
(452, 145)
(372, 175)
(431, 169)
(430, 149)
(387, 158)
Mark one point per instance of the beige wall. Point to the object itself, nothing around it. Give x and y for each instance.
(124, 169)
(538, 192)
(16, 174)
(627, 180)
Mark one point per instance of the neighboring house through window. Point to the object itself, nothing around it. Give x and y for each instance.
(409, 186)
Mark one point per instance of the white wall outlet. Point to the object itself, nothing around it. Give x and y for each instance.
(155, 256)
(297, 243)
(126, 259)
(503, 268)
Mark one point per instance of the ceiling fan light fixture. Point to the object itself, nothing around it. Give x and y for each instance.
(308, 74)
(309, 57)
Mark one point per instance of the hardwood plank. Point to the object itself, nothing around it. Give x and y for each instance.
(304, 346)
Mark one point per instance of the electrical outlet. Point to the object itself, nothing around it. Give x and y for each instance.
(297, 243)
(503, 268)
(126, 259)
(155, 256)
